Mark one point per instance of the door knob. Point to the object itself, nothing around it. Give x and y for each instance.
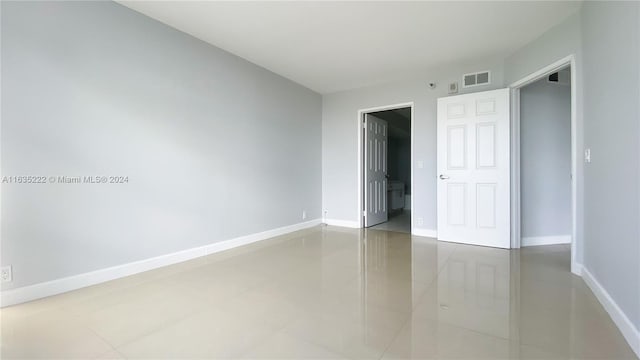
(443, 177)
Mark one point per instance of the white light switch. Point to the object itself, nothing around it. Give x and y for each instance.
(420, 164)
(587, 155)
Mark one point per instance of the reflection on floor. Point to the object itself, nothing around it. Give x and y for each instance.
(329, 292)
(400, 222)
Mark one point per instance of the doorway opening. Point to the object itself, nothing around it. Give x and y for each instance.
(544, 159)
(385, 168)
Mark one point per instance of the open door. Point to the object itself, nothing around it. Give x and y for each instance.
(474, 169)
(375, 174)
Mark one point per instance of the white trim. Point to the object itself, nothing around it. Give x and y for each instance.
(342, 223)
(361, 113)
(516, 240)
(425, 232)
(516, 216)
(58, 286)
(628, 330)
(549, 69)
(546, 240)
(576, 269)
(407, 202)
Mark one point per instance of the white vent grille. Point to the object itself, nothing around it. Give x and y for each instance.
(476, 79)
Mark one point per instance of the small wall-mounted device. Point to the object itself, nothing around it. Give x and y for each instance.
(432, 86)
(6, 274)
(453, 87)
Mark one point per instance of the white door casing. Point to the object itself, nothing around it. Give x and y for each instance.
(375, 174)
(474, 168)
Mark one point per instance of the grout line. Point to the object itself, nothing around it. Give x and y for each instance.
(431, 284)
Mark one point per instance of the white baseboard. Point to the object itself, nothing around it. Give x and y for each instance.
(58, 286)
(425, 232)
(576, 268)
(342, 223)
(546, 240)
(628, 330)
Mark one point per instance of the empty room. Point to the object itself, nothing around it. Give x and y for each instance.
(319, 179)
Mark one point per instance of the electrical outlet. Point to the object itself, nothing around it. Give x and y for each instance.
(304, 214)
(5, 274)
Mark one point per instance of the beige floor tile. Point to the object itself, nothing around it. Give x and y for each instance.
(284, 346)
(584, 331)
(113, 355)
(389, 292)
(209, 334)
(352, 339)
(262, 307)
(50, 334)
(399, 222)
(427, 339)
(125, 321)
(329, 292)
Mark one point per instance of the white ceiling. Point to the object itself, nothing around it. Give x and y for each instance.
(333, 46)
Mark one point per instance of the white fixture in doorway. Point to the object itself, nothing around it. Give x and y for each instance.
(474, 168)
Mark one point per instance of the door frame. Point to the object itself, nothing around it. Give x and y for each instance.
(359, 124)
(516, 213)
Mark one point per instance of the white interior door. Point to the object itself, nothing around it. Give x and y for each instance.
(375, 174)
(473, 169)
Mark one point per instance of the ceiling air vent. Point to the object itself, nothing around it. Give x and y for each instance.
(476, 79)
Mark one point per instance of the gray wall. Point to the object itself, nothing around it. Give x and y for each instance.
(559, 42)
(611, 44)
(562, 40)
(214, 146)
(545, 155)
(340, 137)
(604, 39)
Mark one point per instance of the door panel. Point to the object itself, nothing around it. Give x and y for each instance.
(457, 152)
(473, 168)
(376, 171)
(456, 204)
(486, 145)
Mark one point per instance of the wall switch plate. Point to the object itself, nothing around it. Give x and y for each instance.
(587, 155)
(304, 214)
(419, 221)
(6, 274)
(420, 164)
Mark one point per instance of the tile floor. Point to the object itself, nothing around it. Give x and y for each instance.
(329, 293)
(400, 222)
